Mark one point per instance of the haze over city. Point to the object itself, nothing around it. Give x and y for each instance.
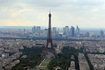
(84, 13)
(52, 35)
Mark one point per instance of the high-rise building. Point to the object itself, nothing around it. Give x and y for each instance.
(72, 31)
(36, 29)
(87, 34)
(66, 31)
(101, 33)
(33, 29)
(77, 31)
(54, 31)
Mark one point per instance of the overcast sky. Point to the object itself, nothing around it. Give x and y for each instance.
(84, 13)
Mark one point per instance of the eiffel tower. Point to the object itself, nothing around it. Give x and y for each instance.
(49, 37)
(49, 50)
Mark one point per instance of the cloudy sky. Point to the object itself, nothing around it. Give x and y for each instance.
(84, 13)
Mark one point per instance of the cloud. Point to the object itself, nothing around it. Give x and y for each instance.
(70, 12)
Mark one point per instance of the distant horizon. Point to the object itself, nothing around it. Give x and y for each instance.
(46, 27)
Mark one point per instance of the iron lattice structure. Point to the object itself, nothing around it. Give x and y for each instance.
(49, 36)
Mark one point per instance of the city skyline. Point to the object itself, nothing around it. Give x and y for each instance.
(84, 13)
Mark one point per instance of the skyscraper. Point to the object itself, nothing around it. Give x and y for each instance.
(54, 32)
(72, 31)
(77, 31)
(101, 33)
(66, 31)
(36, 29)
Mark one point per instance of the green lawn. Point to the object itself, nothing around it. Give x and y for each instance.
(44, 63)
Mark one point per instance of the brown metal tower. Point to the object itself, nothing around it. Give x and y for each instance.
(49, 37)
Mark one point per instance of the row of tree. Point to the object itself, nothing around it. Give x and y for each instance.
(62, 60)
(33, 58)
